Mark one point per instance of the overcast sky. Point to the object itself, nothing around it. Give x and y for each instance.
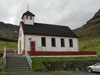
(72, 13)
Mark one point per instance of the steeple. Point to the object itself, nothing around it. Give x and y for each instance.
(27, 7)
(28, 17)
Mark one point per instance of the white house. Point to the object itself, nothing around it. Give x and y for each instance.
(40, 39)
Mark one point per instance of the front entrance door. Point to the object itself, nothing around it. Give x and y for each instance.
(32, 47)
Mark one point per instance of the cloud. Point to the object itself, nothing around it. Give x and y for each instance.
(72, 13)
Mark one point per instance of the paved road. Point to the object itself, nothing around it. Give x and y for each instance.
(58, 73)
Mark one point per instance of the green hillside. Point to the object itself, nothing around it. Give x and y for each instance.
(91, 30)
(9, 45)
(90, 45)
(90, 34)
(8, 32)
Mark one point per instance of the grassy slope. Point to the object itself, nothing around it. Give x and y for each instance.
(1, 62)
(91, 45)
(3, 73)
(8, 31)
(9, 45)
(89, 32)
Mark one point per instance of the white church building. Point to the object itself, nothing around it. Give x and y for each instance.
(40, 39)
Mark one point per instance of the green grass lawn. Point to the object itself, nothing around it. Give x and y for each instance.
(9, 45)
(90, 45)
(3, 73)
(1, 64)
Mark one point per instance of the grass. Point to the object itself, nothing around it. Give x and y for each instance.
(9, 45)
(37, 64)
(1, 64)
(3, 73)
(91, 45)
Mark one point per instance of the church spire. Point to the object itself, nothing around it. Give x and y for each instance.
(28, 17)
(27, 7)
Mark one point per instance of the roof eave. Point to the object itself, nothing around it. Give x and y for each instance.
(51, 35)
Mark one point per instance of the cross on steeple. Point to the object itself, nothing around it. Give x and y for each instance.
(28, 17)
(27, 7)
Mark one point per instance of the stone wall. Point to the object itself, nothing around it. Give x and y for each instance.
(68, 65)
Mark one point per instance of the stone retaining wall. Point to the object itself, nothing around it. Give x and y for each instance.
(68, 65)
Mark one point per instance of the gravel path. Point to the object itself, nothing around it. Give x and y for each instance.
(58, 73)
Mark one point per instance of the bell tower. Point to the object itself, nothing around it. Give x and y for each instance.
(28, 17)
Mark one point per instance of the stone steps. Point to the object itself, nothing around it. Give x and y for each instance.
(17, 63)
(19, 70)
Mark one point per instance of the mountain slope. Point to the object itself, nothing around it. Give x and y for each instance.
(8, 32)
(91, 30)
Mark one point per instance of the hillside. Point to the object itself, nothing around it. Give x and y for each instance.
(91, 30)
(8, 32)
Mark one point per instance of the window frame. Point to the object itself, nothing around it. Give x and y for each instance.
(43, 42)
(53, 42)
(62, 40)
(71, 42)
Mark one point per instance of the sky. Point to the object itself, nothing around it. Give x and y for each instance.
(71, 13)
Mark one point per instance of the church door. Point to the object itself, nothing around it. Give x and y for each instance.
(32, 47)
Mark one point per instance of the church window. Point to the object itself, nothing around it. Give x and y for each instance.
(26, 16)
(30, 17)
(43, 40)
(53, 42)
(70, 42)
(62, 43)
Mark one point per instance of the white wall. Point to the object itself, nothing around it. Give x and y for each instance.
(22, 40)
(48, 47)
(28, 21)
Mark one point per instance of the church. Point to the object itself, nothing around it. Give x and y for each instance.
(38, 39)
